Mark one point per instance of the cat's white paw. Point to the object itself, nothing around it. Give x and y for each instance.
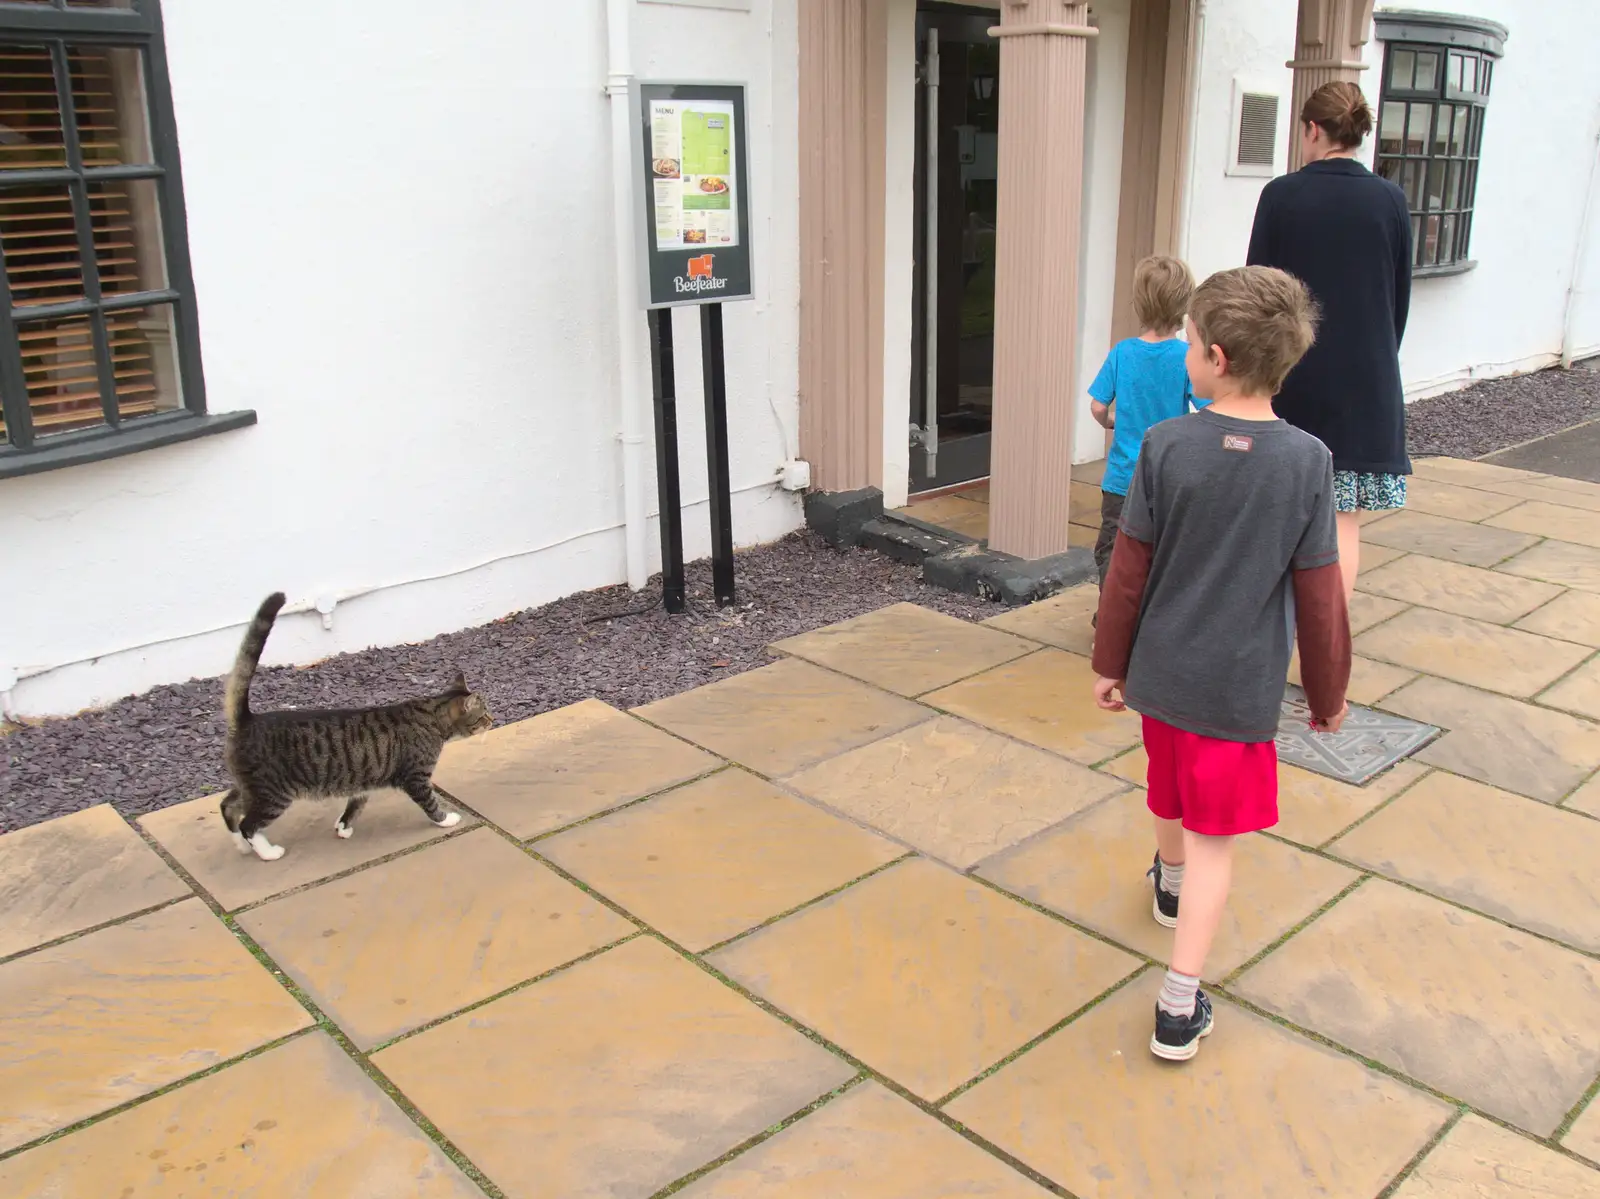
(239, 842)
(265, 850)
(344, 830)
(451, 819)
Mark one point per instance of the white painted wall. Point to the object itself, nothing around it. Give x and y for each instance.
(1105, 105)
(1539, 140)
(401, 240)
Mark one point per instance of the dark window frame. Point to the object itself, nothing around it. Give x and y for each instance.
(1453, 104)
(54, 27)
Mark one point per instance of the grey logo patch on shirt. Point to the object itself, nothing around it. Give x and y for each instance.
(1237, 441)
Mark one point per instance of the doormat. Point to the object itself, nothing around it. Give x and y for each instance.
(1368, 744)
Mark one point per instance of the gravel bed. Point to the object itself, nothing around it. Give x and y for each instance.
(1500, 413)
(165, 746)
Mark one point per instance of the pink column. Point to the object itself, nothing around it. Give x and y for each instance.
(1043, 69)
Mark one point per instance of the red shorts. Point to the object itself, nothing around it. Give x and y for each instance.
(1217, 788)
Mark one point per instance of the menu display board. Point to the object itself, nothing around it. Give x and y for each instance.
(696, 195)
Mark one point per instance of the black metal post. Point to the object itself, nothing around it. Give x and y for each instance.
(664, 387)
(716, 388)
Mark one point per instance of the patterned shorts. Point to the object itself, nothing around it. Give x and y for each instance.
(1354, 492)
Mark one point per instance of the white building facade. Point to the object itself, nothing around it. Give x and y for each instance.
(370, 341)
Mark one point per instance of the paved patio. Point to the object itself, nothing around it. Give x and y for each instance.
(870, 921)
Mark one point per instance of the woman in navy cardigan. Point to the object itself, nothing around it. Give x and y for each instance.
(1346, 233)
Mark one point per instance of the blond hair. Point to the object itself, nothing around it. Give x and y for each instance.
(1264, 320)
(1161, 290)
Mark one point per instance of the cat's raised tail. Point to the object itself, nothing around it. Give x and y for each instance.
(236, 701)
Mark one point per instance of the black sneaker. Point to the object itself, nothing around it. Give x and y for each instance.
(1165, 906)
(1177, 1038)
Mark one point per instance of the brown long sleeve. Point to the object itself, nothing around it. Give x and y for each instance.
(1322, 621)
(1121, 600)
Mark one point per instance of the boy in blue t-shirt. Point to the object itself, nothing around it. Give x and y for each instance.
(1145, 378)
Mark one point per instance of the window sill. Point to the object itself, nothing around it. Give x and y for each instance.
(1440, 272)
(97, 445)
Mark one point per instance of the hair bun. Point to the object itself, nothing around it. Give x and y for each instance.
(1341, 111)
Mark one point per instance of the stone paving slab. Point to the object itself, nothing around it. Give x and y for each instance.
(1083, 505)
(783, 717)
(1313, 808)
(957, 513)
(1586, 798)
(1571, 616)
(905, 649)
(1558, 562)
(1523, 861)
(710, 860)
(193, 833)
(1367, 611)
(1489, 1014)
(1092, 871)
(867, 1144)
(1061, 621)
(1463, 590)
(115, 1014)
(1474, 652)
(1575, 525)
(300, 1121)
(1516, 746)
(1374, 556)
(610, 1079)
(559, 767)
(1041, 699)
(1583, 1137)
(1438, 498)
(1480, 1160)
(1441, 537)
(1262, 1113)
(924, 975)
(391, 948)
(1579, 692)
(1369, 682)
(954, 791)
(75, 872)
(1470, 473)
(1551, 491)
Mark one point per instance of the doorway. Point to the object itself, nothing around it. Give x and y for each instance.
(952, 326)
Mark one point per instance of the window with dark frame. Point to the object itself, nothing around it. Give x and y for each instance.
(1433, 95)
(98, 337)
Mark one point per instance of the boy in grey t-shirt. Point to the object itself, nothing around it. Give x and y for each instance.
(1229, 511)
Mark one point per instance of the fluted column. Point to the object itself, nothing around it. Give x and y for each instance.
(1328, 44)
(1043, 71)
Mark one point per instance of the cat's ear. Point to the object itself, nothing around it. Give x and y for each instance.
(459, 683)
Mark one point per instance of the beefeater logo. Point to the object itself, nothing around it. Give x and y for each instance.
(700, 268)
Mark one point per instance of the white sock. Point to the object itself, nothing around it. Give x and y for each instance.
(1177, 994)
(1172, 878)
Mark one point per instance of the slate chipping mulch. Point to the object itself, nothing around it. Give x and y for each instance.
(164, 747)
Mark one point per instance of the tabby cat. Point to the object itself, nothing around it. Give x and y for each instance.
(278, 757)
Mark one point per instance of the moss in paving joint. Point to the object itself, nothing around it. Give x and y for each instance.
(1232, 976)
(810, 903)
(765, 1135)
(1033, 1044)
(327, 1025)
(1571, 1118)
(720, 768)
(501, 994)
(141, 1100)
(1410, 1168)
(84, 932)
(1322, 847)
(1060, 919)
(358, 868)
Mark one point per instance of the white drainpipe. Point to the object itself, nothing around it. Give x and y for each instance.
(634, 398)
(1585, 220)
